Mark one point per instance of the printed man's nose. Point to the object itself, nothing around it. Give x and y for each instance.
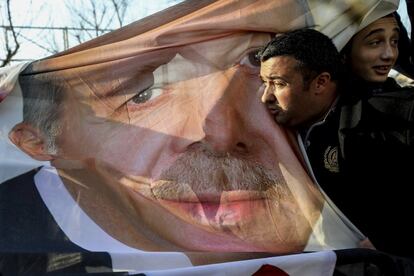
(225, 131)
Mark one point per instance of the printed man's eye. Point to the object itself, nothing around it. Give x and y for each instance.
(146, 95)
(251, 60)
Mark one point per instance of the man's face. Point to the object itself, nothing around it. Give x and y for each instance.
(193, 141)
(284, 93)
(375, 50)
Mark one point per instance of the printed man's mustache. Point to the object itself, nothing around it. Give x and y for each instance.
(199, 171)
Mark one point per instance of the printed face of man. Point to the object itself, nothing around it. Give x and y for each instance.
(375, 50)
(192, 150)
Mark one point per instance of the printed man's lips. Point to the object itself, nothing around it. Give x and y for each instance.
(216, 197)
(222, 209)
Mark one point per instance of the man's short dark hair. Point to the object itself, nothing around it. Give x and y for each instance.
(314, 51)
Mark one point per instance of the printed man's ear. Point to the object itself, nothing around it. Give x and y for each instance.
(31, 141)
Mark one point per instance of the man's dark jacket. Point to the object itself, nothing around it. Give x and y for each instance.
(363, 158)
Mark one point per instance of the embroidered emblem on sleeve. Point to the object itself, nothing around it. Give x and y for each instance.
(330, 159)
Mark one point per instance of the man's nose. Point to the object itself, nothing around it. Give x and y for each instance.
(389, 51)
(268, 95)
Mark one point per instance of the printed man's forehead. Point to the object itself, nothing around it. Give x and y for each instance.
(225, 51)
(168, 66)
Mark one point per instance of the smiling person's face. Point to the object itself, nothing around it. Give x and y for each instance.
(191, 150)
(374, 50)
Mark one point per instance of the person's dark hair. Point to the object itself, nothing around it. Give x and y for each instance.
(42, 98)
(314, 51)
(405, 60)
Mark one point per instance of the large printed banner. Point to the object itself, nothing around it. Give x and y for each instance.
(150, 147)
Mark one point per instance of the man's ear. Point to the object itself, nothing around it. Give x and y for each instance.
(31, 141)
(321, 82)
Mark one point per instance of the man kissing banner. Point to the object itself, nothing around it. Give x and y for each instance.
(155, 155)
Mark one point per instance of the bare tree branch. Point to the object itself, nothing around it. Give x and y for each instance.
(97, 15)
(11, 50)
(120, 9)
(92, 17)
(47, 49)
